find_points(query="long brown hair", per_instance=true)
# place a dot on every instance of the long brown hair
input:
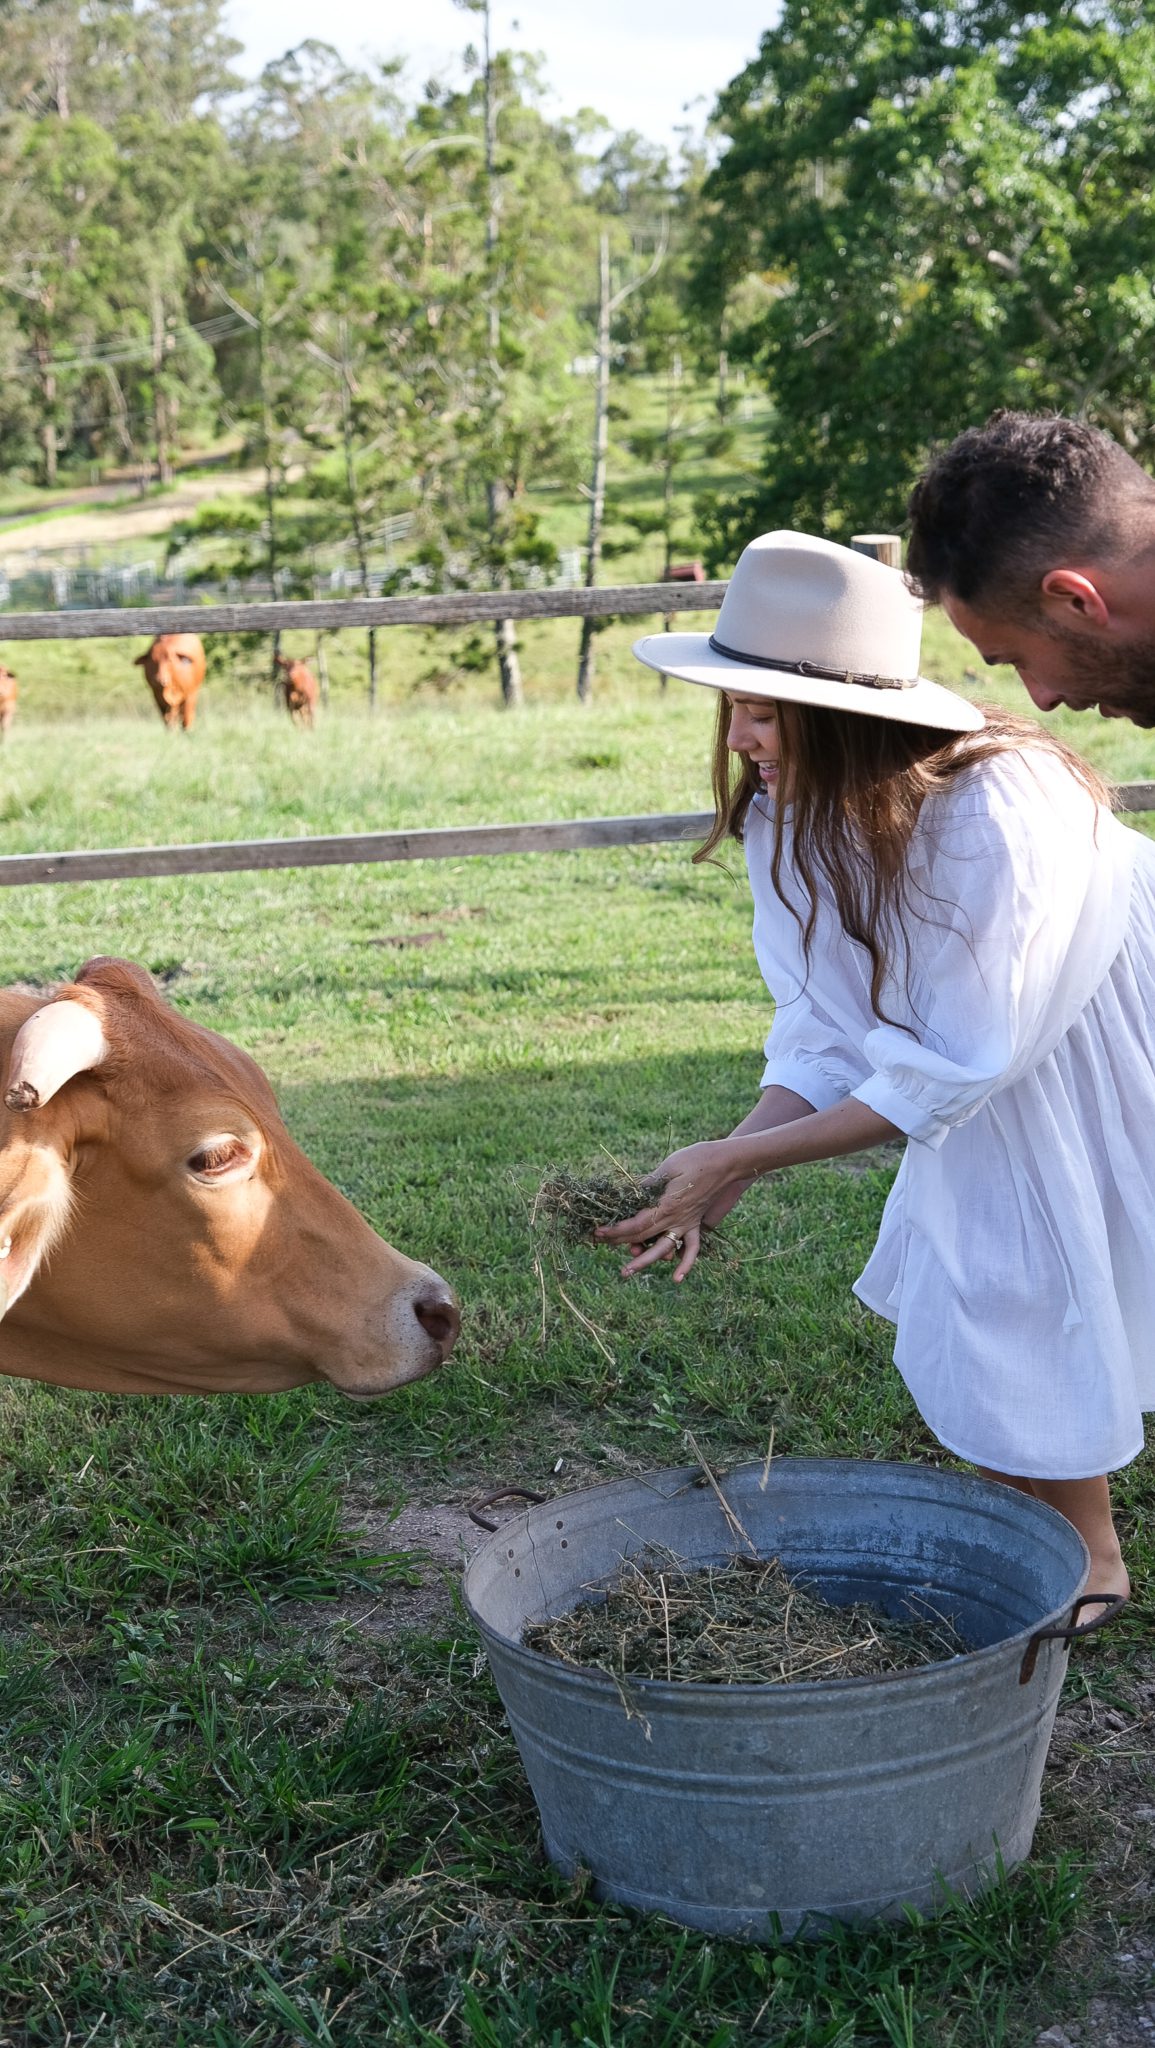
(857, 785)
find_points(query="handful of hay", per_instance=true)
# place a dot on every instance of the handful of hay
(568, 1207)
(742, 1623)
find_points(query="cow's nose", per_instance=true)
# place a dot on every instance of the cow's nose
(440, 1318)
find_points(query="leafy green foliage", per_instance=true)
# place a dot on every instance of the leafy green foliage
(925, 212)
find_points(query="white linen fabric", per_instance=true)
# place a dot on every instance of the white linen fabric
(1016, 1252)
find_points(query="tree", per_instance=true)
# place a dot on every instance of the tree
(925, 212)
(107, 154)
(609, 302)
(58, 264)
(497, 323)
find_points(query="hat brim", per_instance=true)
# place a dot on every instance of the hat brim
(690, 657)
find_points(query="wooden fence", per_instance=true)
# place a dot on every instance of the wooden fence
(346, 849)
(458, 608)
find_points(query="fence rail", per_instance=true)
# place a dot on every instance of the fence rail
(456, 608)
(463, 842)
(348, 849)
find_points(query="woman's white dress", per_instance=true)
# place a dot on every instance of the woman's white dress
(1017, 1248)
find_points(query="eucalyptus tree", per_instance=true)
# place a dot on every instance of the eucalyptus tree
(107, 144)
(925, 211)
(58, 265)
(159, 370)
(497, 324)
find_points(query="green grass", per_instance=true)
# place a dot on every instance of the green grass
(229, 1816)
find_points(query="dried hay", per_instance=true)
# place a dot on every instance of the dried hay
(568, 1207)
(742, 1623)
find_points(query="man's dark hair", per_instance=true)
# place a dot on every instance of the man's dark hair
(1025, 493)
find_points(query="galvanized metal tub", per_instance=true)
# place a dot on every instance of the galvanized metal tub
(722, 1806)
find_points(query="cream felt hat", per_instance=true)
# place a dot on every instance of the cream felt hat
(808, 622)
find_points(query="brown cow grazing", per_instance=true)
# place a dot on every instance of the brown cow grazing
(8, 695)
(174, 668)
(299, 687)
(161, 1233)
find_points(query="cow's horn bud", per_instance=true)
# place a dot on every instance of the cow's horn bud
(62, 1039)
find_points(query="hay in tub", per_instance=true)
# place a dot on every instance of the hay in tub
(745, 1622)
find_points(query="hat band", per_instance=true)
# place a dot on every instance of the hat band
(811, 668)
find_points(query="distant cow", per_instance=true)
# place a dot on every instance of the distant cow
(8, 695)
(174, 668)
(298, 686)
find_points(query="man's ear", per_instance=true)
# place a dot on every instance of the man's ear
(1073, 593)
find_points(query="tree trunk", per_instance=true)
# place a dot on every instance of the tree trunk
(270, 482)
(508, 663)
(160, 419)
(598, 481)
(496, 495)
(48, 399)
(354, 506)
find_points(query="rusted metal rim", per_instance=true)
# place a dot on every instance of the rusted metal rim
(1074, 1631)
(491, 1500)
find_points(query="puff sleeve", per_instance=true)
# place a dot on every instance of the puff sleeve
(1021, 893)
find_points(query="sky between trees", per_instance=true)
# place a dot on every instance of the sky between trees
(640, 63)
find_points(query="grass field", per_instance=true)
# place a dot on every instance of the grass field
(255, 1787)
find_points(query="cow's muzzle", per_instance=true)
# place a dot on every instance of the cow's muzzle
(418, 1330)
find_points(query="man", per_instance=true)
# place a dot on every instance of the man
(1037, 536)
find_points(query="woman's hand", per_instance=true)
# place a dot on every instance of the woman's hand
(699, 1185)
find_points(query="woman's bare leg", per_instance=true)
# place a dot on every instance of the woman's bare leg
(1006, 1479)
(1086, 1503)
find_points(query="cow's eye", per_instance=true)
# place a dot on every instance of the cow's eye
(219, 1157)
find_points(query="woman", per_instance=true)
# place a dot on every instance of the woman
(960, 941)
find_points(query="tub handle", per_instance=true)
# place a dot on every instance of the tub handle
(503, 1493)
(1110, 1604)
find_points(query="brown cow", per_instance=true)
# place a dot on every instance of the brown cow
(299, 687)
(8, 695)
(193, 1248)
(174, 668)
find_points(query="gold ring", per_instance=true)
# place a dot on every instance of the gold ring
(677, 1242)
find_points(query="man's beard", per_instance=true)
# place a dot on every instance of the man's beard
(1122, 679)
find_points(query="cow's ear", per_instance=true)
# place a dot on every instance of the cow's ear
(35, 1211)
(140, 659)
(62, 1039)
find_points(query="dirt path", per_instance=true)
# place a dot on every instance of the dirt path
(125, 522)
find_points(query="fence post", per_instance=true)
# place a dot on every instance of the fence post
(884, 547)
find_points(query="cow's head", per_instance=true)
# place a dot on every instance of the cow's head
(159, 1229)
